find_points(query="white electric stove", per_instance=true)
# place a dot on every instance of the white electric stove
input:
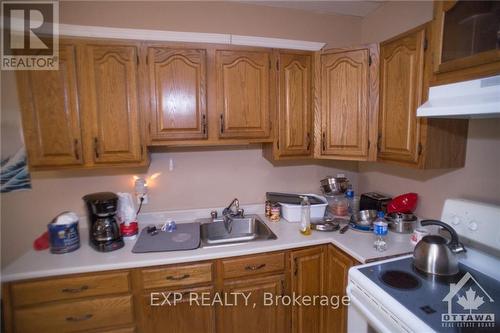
(391, 296)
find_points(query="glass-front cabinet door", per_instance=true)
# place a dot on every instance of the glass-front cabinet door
(467, 34)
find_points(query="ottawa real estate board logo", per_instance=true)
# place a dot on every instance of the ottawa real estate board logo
(467, 302)
(30, 35)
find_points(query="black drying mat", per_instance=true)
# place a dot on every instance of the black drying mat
(185, 237)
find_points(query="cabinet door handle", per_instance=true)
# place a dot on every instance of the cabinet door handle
(76, 150)
(96, 147)
(79, 318)
(177, 278)
(379, 142)
(221, 123)
(254, 267)
(308, 141)
(75, 290)
(204, 124)
(323, 141)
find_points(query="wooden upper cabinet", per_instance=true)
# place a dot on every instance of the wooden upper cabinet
(51, 113)
(243, 96)
(177, 91)
(307, 271)
(401, 80)
(345, 104)
(113, 103)
(295, 98)
(465, 40)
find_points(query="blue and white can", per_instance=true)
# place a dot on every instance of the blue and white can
(64, 236)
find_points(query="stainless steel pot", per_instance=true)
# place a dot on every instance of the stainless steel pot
(436, 255)
(401, 223)
(334, 185)
(364, 217)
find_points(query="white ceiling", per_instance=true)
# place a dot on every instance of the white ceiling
(353, 7)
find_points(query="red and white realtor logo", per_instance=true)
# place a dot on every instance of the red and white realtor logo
(469, 294)
(30, 35)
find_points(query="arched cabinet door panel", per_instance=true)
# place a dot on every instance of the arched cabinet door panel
(243, 93)
(345, 103)
(401, 79)
(113, 103)
(177, 92)
(50, 112)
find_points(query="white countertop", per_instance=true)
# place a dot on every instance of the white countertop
(35, 264)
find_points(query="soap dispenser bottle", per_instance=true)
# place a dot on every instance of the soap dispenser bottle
(305, 217)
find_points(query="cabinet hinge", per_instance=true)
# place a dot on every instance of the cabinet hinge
(420, 148)
(426, 44)
(369, 60)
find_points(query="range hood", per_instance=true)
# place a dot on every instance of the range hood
(469, 99)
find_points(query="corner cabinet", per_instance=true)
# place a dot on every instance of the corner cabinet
(347, 104)
(401, 82)
(404, 139)
(307, 278)
(87, 113)
(50, 109)
(112, 102)
(294, 119)
(243, 93)
(465, 40)
(177, 92)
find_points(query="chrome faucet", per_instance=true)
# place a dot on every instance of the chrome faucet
(229, 213)
(236, 212)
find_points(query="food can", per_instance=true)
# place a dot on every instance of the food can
(268, 208)
(275, 213)
(63, 238)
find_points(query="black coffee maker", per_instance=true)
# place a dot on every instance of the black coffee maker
(104, 229)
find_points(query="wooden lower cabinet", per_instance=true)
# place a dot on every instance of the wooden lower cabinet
(307, 278)
(337, 267)
(183, 316)
(254, 315)
(122, 301)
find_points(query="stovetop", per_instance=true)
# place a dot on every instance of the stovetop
(472, 306)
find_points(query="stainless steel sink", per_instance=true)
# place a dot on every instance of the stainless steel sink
(243, 229)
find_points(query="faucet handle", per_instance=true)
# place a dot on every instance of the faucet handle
(241, 212)
(213, 214)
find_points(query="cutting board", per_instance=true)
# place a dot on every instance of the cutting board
(185, 237)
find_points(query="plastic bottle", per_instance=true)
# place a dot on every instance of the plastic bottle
(380, 230)
(305, 217)
(349, 194)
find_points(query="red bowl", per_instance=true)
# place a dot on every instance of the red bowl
(405, 203)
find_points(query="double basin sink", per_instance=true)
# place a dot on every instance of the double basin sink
(214, 232)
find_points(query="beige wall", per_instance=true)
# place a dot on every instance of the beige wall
(394, 17)
(478, 180)
(216, 17)
(200, 178)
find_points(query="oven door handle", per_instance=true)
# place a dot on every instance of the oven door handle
(365, 312)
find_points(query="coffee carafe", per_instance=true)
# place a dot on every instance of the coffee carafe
(103, 227)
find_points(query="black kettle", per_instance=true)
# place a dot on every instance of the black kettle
(436, 255)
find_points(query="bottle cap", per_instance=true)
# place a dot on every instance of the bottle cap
(380, 214)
